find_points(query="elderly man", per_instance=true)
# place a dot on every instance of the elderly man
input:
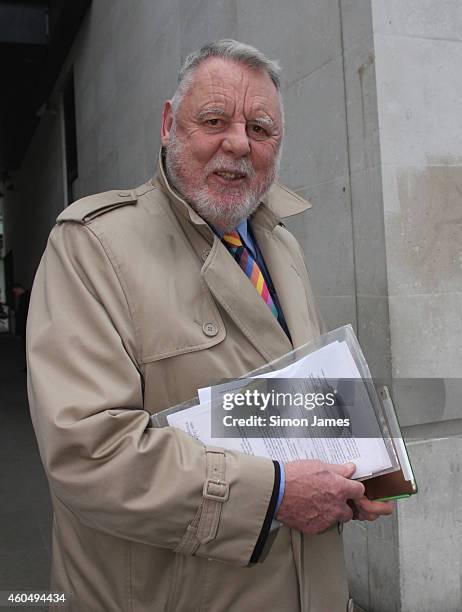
(141, 298)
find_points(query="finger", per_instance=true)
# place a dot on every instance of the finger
(346, 470)
(366, 516)
(375, 507)
(354, 489)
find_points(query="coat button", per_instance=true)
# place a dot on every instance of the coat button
(205, 253)
(210, 329)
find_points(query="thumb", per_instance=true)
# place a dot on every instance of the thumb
(346, 469)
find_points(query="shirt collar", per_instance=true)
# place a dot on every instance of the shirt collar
(242, 228)
(244, 233)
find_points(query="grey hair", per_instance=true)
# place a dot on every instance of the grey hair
(226, 48)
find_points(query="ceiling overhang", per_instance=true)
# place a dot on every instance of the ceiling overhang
(35, 38)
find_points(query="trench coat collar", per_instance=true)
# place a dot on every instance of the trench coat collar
(277, 204)
(232, 290)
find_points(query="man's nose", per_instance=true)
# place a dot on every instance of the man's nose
(236, 141)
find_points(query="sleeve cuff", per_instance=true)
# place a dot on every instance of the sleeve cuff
(281, 489)
(270, 513)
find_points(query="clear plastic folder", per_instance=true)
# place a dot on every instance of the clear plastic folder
(331, 365)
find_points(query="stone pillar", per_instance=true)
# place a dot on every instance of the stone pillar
(403, 90)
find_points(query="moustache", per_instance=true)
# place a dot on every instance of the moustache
(224, 164)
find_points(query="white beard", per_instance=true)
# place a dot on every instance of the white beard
(224, 215)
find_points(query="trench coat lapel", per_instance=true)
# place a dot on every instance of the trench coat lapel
(287, 283)
(236, 294)
(281, 202)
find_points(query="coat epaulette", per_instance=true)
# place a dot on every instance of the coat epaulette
(92, 206)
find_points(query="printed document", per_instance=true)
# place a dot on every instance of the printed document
(333, 361)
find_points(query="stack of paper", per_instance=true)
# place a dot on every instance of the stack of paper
(333, 361)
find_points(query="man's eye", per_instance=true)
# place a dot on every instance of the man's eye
(257, 131)
(213, 122)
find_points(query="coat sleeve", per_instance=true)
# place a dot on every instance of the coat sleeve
(103, 461)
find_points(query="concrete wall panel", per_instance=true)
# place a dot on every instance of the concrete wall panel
(356, 16)
(369, 235)
(384, 575)
(361, 96)
(204, 21)
(419, 100)
(337, 310)
(425, 335)
(357, 562)
(120, 90)
(374, 334)
(424, 206)
(430, 529)
(418, 18)
(316, 139)
(326, 236)
(372, 557)
(304, 35)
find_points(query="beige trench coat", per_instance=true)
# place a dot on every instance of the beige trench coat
(136, 305)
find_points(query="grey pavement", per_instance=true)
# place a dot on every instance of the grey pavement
(25, 509)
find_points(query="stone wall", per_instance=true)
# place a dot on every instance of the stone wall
(412, 562)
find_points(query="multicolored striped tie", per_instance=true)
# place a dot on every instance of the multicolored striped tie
(249, 265)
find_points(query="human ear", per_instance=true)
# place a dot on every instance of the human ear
(167, 122)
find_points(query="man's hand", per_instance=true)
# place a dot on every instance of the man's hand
(316, 495)
(366, 510)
